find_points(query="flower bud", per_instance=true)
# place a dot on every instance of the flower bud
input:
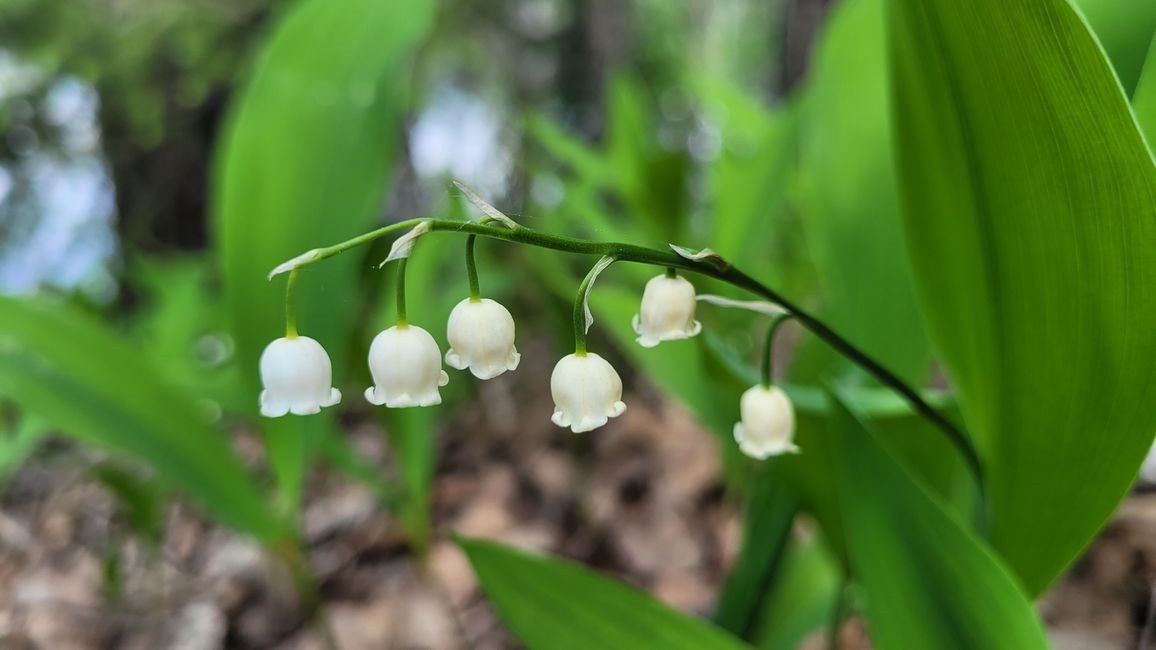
(587, 392)
(406, 366)
(481, 336)
(768, 423)
(297, 377)
(667, 311)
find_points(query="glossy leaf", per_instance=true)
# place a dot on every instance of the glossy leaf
(1030, 211)
(927, 581)
(554, 604)
(305, 162)
(75, 375)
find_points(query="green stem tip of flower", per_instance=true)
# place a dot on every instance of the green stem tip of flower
(401, 321)
(769, 350)
(472, 269)
(290, 311)
(671, 272)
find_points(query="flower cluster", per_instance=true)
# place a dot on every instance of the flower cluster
(406, 365)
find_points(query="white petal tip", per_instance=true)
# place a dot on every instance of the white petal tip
(372, 397)
(455, 361)
(443, 379)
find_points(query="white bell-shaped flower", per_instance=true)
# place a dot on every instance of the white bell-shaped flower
(297, 376)
(667, 311)
(768, 423)
(587, 392)
(407, 368)
(481, 336)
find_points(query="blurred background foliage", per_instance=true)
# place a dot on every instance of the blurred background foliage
(158, 158)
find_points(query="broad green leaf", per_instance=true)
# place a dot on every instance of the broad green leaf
(927, 581)
(304, 163)
(75, 375)
(1124, 28)
(553, 604)
(768, 517)
(802, 599)
(1144, 101)
(1030, 212)
(849, 200)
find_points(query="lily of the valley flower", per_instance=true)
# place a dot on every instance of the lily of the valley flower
(481, 336)
(587, 392)
(406, 366)
(297, 376)
(768, 423)
(667, 311)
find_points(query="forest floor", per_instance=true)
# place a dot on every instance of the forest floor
(640, 499)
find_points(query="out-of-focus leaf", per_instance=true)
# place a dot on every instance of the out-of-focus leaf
(802, 600)
(141, 502)
(1124, 28)
(552, 604)
(768, 517)
(18, 443)
(181, 321)
(849, 201)
(1030, 211)
(749, 180)
(305, 162)
(77, 376)
(927, 581)
(1144, 101)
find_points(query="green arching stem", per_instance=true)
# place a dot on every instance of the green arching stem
(472, 269)
(401, 322)
(714, 268)
(580, 305)
(290, 311)
(769, 350)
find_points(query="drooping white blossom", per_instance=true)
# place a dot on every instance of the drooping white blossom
(406, 366)
(768, 423)
(587, 392)
(667, 311)
(481, 336)
(297, 378)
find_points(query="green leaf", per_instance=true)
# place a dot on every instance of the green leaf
(1124, 28)
(927, 581)
(18, 443)
(849, 199)
(1144, 101)
(552, 604)
(802, 599)
(77, 376)
(769, 515)
(1030, 212)
(304, 162)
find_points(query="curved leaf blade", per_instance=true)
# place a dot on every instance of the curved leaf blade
(558, 605)
(928, 582)
(73, 373)
(1031, 211)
